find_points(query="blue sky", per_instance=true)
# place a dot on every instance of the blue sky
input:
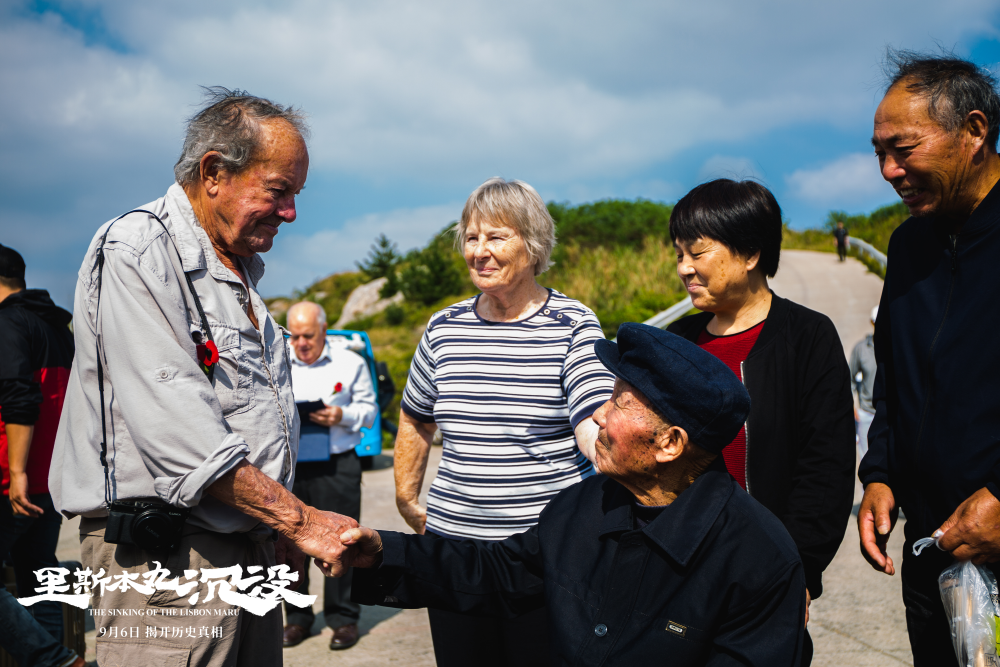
(412, 105)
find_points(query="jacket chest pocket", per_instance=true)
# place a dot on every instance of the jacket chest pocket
(233, 380)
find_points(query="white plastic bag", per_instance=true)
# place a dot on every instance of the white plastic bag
(969, 594)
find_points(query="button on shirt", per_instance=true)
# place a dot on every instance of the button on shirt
(171, 433)
(319, 380)
(713, 579)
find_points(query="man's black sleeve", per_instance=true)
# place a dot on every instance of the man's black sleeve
(476, 577)
(875, 465)
(20, 395)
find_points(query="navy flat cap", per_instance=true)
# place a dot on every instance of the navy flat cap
(688, 386)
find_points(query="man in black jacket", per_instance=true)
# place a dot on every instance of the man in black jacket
(662, 557)
(36, 352)
(934, 445)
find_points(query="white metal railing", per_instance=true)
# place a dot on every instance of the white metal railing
(869, 249)
(663, 318)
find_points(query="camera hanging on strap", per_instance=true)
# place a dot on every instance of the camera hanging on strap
(150, 524)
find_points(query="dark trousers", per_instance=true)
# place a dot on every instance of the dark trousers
(461, 640)
(841, 252)
(926, 622)
(333, 486)
(32, 635)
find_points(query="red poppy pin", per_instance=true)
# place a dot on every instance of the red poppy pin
(339, 387)
(208, 356)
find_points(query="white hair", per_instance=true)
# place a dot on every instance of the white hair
(517, 205)
(231, 126)
(301, 306)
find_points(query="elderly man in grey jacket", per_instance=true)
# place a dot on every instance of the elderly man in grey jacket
(179, 435)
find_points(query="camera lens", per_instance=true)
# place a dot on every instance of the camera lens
(152, 530)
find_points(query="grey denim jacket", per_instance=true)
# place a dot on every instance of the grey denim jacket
(170, 432)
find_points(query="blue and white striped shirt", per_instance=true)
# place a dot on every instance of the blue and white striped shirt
(506, 396)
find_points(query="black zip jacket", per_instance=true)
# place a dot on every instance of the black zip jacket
(34, 336)
(713, 580)
(800, 433)
(935, 439)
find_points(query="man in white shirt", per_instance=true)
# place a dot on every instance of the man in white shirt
(340, 379)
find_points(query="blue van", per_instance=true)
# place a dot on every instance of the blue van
(357, 341)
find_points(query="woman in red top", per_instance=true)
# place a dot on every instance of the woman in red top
(795, 454)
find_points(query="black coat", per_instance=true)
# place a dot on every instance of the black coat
(713, 580)
(34, 336)
(935, 439)
(800, 433)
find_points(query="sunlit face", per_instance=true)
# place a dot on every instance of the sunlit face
(715, 277)
(927, 165)
(308, 337)
(496, 255)
(248, 207)
(625, 449)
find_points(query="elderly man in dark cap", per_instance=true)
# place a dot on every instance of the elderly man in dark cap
(662, 557)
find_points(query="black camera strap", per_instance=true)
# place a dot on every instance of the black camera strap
(206, 330)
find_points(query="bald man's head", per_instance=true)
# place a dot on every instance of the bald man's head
(307, 324)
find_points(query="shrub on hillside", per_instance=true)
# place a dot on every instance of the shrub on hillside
(431, 274)
(610, 223)
(381, 262)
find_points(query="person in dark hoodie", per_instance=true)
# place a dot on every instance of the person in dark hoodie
(37, 354)
(795, 454)
(934, 444)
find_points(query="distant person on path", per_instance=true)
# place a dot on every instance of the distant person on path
(934, 445)
(36, 353)
(840, 236)
(661, 559)
(511, 379)
(796, 452)
(341, 380)
(862, 365)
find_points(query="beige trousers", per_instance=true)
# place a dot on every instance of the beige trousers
(164, 627)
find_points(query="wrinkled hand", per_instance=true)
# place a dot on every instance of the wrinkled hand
(876, 519)
(286, 553)
(413, 514)
(972, 532)
(364, 549)
(329, 416)
(319, 536)
(19, 500)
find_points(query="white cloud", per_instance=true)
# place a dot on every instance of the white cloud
(848, 181)
(297, 260)
(583, 98)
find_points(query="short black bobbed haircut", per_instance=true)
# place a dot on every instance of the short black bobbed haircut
(742, 215)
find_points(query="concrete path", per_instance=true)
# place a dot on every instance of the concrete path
(858, 621)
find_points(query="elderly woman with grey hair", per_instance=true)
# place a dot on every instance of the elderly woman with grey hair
(511, 379)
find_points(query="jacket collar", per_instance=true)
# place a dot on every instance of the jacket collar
(691, 327)
(194, 246)
(682, 526)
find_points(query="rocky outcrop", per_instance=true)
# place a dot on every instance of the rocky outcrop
(365, 302)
